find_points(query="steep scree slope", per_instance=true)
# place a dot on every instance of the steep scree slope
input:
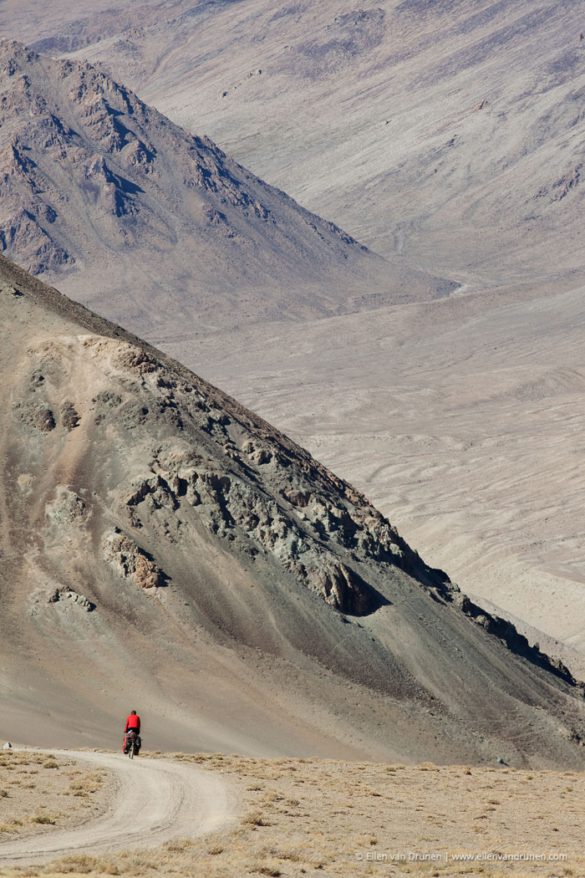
(161, 543)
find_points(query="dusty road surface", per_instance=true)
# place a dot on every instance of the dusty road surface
(155, 800)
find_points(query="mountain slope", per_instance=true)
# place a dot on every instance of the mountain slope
(456, 139)
(159, 223)
(163, 545)
(450, 132)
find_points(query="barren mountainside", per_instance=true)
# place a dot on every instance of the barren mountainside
(144, 219)
(449, 131)
(450, 134)
(161, 543)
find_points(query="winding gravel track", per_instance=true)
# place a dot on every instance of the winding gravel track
(154, 800)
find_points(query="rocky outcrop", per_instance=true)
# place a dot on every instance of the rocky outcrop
(132, 563)
(24, 233)
(234, 508)
(36, 415)
(69, 415)
(67, 595)
(67, 507)
(259, 497)
(341, 587)
(511, 637)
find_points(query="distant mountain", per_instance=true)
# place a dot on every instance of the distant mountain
(161, 545)
(451, 132)
(163, 224)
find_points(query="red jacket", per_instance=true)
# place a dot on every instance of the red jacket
(133, 722)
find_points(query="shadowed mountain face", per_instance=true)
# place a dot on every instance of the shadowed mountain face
(161, 543)
(94, 181)
(449, 131)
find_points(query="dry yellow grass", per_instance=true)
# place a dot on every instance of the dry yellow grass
(328, 818)
(40, 791)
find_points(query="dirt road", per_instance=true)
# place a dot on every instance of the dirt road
(154, 800)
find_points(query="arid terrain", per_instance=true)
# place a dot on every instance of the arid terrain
(154, 225)
(327, 818)
(451, 132)
(105, 803)
(447, 138)
(170, 547)
(363, 223)
(460, 419)
(39, 791)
